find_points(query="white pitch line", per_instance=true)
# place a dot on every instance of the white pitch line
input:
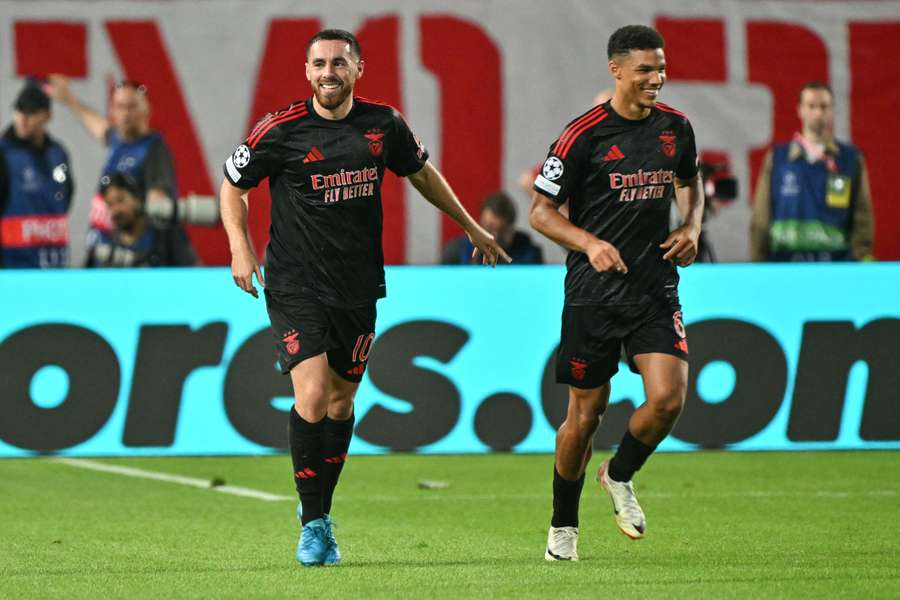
(91, 465)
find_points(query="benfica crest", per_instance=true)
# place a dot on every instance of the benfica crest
(376, 146)
(579, 368)
(668, 144)
(291, 341)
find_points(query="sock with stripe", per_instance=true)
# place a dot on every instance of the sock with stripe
(306, 442)
(334, 452)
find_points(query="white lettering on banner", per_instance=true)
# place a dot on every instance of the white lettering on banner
(48, 230)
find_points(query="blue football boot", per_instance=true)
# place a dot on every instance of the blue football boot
(313, 547)
(333, 554)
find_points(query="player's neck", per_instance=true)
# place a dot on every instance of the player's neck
(628, 109)
(333, 114)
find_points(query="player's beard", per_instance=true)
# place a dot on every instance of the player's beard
(333, 99)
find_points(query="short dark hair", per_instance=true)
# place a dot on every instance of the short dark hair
(633, 37)
(336, 34)
(814, 85)
(501, 205)
(122, 181)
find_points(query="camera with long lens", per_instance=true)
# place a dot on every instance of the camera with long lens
(192, 209)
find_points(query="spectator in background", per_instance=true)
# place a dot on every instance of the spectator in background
(812, 198)
(498, 216)
(35, 187)
(134, 149)
(134, 240)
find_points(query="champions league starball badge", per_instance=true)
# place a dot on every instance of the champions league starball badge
(241, 156)
(552, 169)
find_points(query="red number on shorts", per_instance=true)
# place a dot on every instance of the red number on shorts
(363, 347)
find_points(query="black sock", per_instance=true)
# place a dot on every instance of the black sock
(306, 440)
(629, 458)
(334, 452)
(566, 495)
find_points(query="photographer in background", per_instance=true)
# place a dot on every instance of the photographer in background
(139, 152)
(35, 187)
(134, 240)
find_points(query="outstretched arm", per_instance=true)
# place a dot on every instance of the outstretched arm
(546, 219)
(434, 188)
(682, 244)
(95, 123)
(234, 208)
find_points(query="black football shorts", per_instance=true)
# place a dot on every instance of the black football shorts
(593, 337)
(304, 327)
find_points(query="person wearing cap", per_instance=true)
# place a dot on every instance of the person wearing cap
(134, 240)
(36, 187)
(133, 147)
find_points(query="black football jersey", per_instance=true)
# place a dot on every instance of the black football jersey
(619, 178)
(325, 179)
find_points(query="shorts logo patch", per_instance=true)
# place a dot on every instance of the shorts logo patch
(241, 156)
(357, 370)
(579, 368)
(291, 341)
(668, 144)
(680, 332)
(376, 146)
(552, 169)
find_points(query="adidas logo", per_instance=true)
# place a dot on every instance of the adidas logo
(314, 155)
(613, 154)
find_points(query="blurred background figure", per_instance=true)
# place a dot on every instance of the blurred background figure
(498, 216)
(812, 198)
(721, 189)
(134, 239)
(36, 187)
(138, 151)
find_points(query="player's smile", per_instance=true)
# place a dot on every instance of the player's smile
(332, 68)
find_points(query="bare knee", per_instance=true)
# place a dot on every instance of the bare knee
(340, 404)
(311, 401)
(667, 400)
(340, 398)
(586, 407)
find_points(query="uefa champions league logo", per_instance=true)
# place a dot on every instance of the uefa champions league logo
(553, 168)
(241, 156)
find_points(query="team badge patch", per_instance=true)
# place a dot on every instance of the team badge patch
(241, 156)
(291, 341)
(578, 368)
(552, 169)
(668, 145)
(677, 322)
(376, 146)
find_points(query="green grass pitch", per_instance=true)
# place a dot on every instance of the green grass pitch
(720, 525)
